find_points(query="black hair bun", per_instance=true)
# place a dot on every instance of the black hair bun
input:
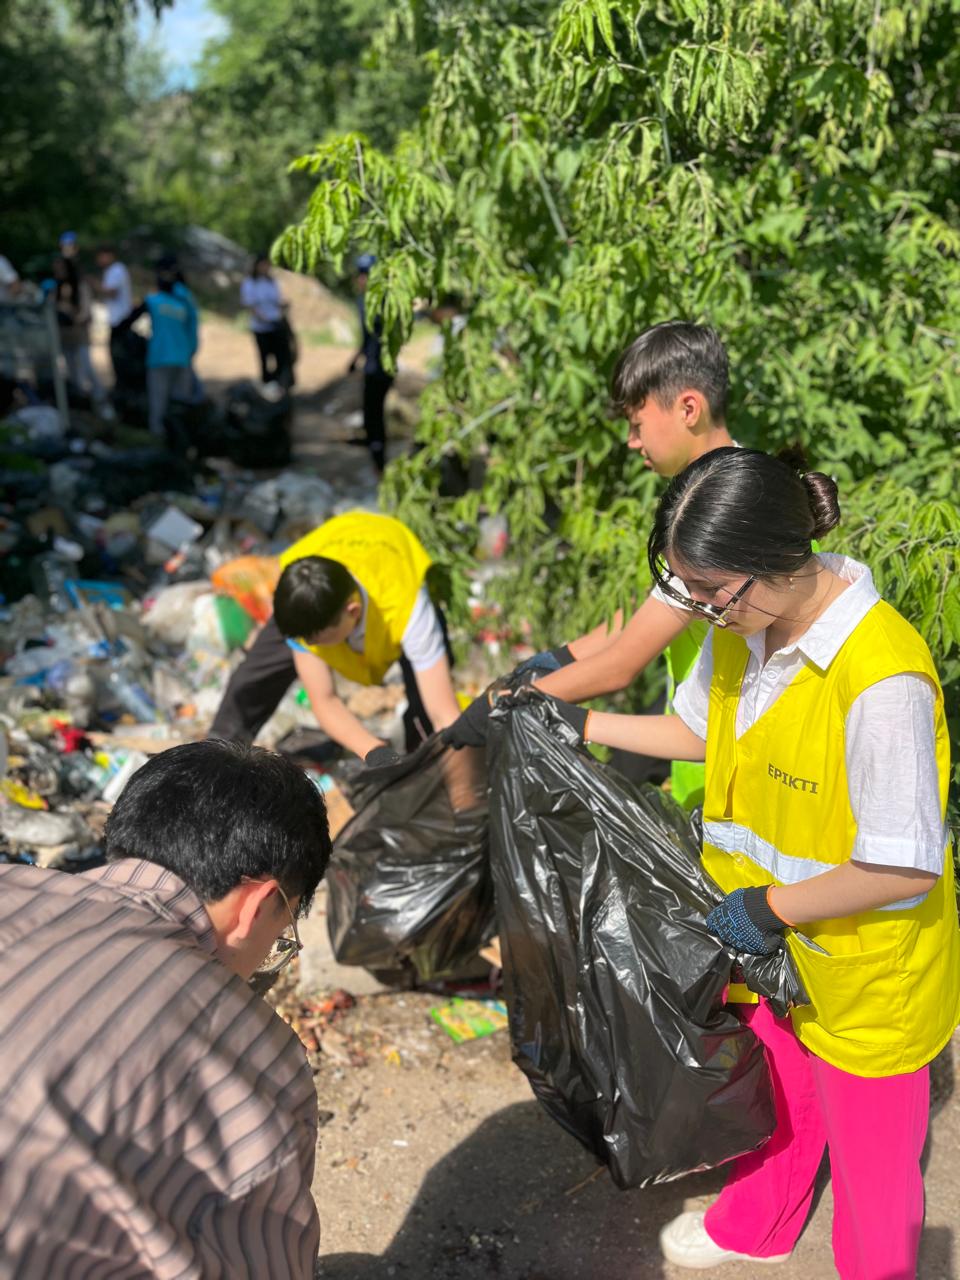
(824, 502)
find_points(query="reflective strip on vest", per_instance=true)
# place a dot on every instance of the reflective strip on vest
(884, 985)
(736, 839)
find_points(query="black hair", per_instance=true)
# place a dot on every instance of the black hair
(742, 511)
(215, 813)
(669, 358)
(106, 247)
(260, 257)
(68, 290)
(311, 595)
(168, 271)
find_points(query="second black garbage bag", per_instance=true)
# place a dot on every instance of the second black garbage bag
(614, 986)
(409, 879)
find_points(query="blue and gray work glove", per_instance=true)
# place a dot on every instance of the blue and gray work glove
(745, 921)
(380, 757)
(548, 660)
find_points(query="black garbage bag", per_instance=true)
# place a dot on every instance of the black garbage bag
(409, 878)
(613, 984)
(256, 427)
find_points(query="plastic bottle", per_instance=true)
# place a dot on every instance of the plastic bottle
(50, 573)
(131, 696)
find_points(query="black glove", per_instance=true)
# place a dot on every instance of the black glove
(548, 660)
(745, 921)
(576, 717)
(380, 757)
(470, 727)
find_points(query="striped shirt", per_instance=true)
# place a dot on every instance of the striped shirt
(157, 1119)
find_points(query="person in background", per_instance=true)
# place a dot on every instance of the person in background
(117, 294)
(74, 303)
(69, 245)
(169, 1128)
(351, 598)
(671, 385)
(376, 381)
(10, 283)
(260, 295)
(173, 342)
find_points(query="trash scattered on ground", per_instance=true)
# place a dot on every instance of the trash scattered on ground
(130, 582)
(470, 1019)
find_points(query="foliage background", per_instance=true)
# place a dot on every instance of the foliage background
(96, 140)
(784, 169)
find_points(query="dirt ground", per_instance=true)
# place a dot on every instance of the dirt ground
(434, 1161)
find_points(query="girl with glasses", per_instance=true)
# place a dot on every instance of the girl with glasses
(819, 714)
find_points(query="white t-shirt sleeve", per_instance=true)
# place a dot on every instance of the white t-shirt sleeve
(892, 775)
(422, 643)
(691, 702)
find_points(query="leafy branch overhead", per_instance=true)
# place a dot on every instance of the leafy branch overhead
(785, 170)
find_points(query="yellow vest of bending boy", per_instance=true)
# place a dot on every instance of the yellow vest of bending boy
(885, 988)
(390, 563)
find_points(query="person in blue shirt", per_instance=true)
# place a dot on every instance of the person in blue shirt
(172, 345)
(376, 381)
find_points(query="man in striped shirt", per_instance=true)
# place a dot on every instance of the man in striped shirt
(156, 1117)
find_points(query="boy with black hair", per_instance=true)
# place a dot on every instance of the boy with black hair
(169, 1126)
(671, 385)
(351, 598)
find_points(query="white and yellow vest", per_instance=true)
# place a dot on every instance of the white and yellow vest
(885, 997)
(390, 563)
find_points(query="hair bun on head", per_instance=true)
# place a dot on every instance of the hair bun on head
(824, 502)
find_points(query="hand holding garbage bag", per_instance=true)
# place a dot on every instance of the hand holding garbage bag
(470, 727)
(614, 984)
(547, 661)
(409, 878)
(746, 921)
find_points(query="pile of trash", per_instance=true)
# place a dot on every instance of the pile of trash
(129, 583)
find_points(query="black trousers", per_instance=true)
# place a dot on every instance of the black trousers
(375, 388)
(276, 361)
(267, 672)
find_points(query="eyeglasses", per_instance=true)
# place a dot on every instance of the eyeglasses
(281, 953)
(716, 614)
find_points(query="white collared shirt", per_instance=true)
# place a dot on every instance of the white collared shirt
(889, 731)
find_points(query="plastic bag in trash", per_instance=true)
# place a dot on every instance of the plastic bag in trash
(614, 986)
(409, 878)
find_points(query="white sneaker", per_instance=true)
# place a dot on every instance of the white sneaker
(685, 1242)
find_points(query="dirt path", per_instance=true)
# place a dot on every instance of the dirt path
(436, 1163)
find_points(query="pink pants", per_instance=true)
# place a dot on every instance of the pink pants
(875, 1130)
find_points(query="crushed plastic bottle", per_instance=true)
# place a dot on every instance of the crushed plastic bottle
(131, 695)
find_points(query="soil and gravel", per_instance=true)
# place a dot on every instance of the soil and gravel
(436, 1163)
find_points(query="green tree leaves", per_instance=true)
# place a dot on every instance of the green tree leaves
(583, 168)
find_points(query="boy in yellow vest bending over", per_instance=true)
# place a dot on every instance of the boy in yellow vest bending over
(671, 385)
(351, 598)
(820, 715)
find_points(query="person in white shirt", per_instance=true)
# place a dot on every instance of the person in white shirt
(820, 716)
(117, 293)
(260, 295)
(10, 283)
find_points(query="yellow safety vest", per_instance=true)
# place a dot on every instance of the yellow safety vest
(885, 989)
(390, 563)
